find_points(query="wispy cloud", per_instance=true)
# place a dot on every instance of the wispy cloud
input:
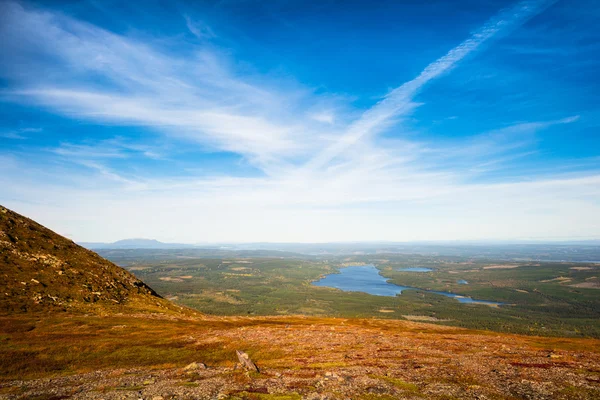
(326, 117)
(199, 29)
(400, 101)
(12, 135)
(18, 134)
(195, 97)
(107, 149)
(321, 170)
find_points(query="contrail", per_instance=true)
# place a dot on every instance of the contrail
(399, 100)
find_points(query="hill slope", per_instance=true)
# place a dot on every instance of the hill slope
(42, 270)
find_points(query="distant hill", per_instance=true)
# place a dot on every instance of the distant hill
(42, 270)
(135, 244)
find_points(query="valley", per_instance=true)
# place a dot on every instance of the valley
(539, 298)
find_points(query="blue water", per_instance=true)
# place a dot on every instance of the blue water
(462, 282)
(415, 269)
(366, 278)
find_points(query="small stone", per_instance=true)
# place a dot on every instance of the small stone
(194, 366)
(246, 361)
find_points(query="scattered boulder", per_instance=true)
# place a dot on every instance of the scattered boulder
(194, 366)
(246, 361)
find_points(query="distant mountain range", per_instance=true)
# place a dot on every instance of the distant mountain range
(573, 251)
(135, 244)
(311, 248)
(344, 247)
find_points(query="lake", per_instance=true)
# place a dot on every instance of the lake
(366, 278)
(361, 278)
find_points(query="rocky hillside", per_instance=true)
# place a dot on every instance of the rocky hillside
(43, 271)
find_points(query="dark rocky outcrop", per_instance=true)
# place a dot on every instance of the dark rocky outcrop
(41, 270)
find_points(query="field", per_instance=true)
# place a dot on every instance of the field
(132, 356)
(541, 298)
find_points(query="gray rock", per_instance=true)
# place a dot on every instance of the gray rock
(246, 361)
(194, 366)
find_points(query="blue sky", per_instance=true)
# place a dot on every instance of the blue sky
(242, 121)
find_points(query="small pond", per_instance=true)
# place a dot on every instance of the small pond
(462, 282)
(366, 278)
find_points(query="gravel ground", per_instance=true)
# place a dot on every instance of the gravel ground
(348, 362)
